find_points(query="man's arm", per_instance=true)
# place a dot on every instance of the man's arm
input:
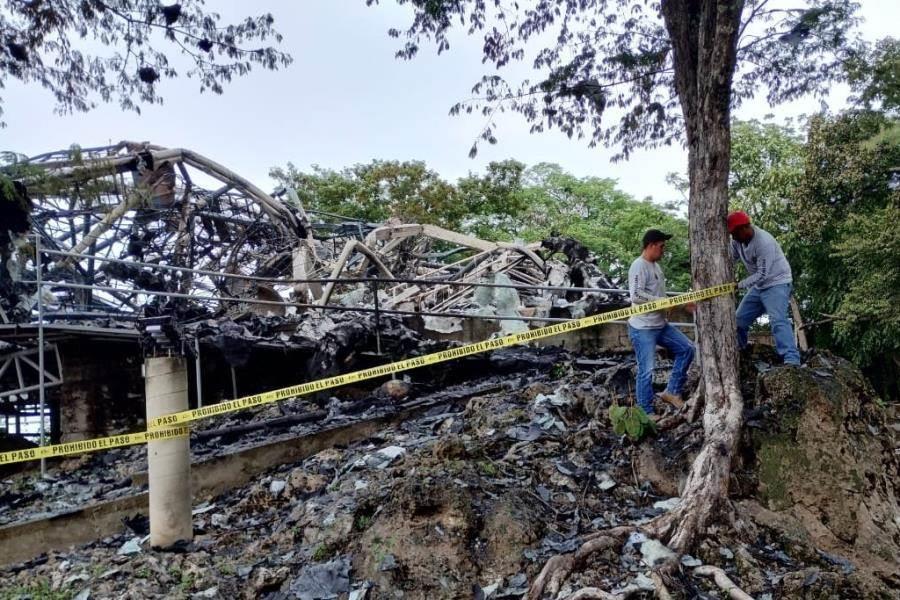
(640, 287)
(762, 270)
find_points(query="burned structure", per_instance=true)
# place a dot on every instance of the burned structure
(119, 252)
(460, 481)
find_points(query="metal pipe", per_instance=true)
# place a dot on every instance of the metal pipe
(40, 303)
(197, 372)
(378, 324)
(75, 316)
(340, 280)
(377, 319)
(386, 311)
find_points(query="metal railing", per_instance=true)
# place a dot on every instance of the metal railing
(373, 283)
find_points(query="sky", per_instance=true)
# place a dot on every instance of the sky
(346, 100)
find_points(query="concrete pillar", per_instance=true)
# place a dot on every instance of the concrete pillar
(168, 461)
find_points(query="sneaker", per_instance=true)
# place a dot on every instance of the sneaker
(672, 399)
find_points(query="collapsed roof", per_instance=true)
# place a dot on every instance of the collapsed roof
(133, 229)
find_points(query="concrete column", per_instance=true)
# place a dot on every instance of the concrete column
(168, 461)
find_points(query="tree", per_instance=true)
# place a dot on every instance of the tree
(766, 170)
(85, 50)
(636, 63)
(875, 76)
(844, 210)
(377, 191)
(831, 198)
(494, 202)
(608, 221)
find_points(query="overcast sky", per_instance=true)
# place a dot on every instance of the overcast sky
(345, 99)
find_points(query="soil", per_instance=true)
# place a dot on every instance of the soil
(487, 488)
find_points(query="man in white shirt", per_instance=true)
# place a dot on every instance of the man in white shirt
(647, 283)
(768, 284)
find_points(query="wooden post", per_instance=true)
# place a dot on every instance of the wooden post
(799, 331)
(168, 461)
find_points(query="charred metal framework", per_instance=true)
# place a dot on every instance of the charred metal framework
(20, 378)
(134, 233)
(153, 205)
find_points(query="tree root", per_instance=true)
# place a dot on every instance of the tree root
(723, 581)
(592, 593)
(705, 491)
(559, 567)
(511, 453)
(694, 405)
(662, 592)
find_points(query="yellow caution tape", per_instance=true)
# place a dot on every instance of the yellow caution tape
(162, 428)
(430, 359)
(85, 446)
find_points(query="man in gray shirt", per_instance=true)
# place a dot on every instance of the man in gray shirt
(646, 283)
(768, 284)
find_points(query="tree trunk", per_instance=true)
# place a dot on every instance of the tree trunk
(704, 42)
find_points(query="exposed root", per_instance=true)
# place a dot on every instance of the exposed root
(670, 421)
(722, 580)
(551, 576)
(592, 593)
(559, 567)
(659, 527)
(511, 453)
(662, 592)
(694, 405)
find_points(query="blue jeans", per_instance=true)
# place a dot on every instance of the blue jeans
(772, 301)
(645, 342)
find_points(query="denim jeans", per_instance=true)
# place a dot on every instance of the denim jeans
(774, 302)
(645, 342)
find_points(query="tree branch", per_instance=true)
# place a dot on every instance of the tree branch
(172, 30)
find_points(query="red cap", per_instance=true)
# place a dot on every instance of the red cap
(736, 219)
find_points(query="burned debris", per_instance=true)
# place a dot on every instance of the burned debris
(450, 501)
(174, 250)
(459, 479)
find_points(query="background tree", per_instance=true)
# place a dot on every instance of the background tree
(616, 72)
(83, 51)
(766, 169)
(607, 220)
(377, 191)
(844, 210)
(875, 77)
(494, 202)
(824, 197)
(507, 202)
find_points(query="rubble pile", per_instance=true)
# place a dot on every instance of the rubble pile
(470, 497)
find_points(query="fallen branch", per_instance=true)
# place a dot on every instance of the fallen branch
(511, 453)
(723, 581)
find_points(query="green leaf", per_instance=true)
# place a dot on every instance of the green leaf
(633, 427)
